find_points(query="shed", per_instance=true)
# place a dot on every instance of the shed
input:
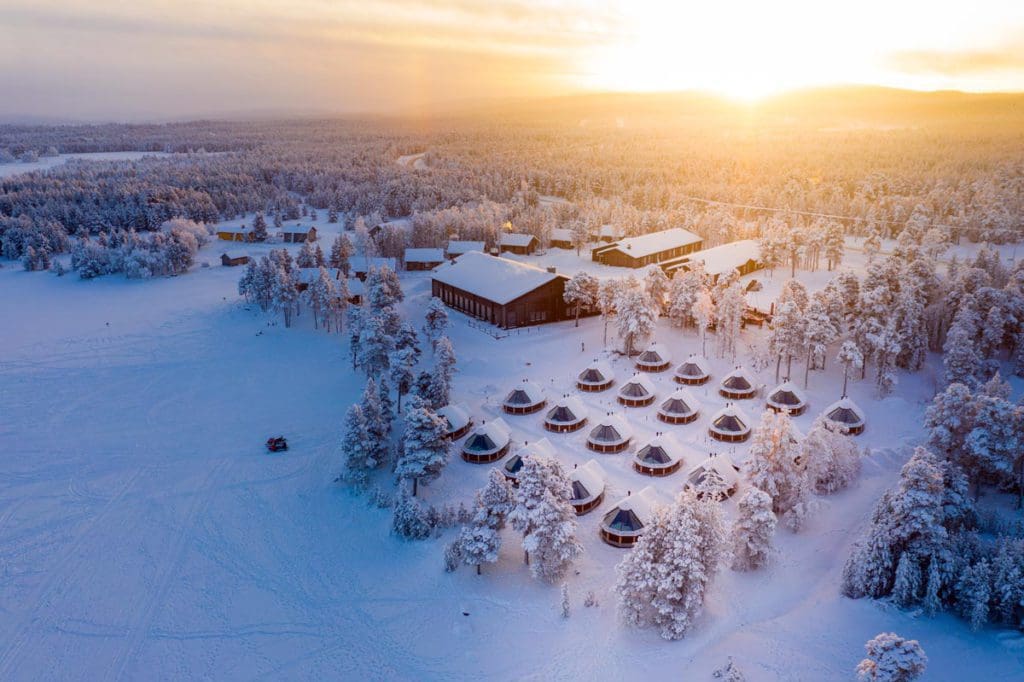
(423, 259)
(296, 234)
(656, 358)
(514, 242)
(637, 391)
(607, 233)
(679, 408)
(598, 376)
(786, 397)
(561, 238)
(693, 372)
(716, 475)
(730, 424)
(361, 265)
(515, 463)
(488, 442)
(237, 233)
(610, 434)
(846, 415)
(656, 247)
(457, 420)
(525, 398)
(501, 291)
(233, 258)
(567, 414)
(587, 487)
(625, 523)
(457, 247)
(660, 456)
(737, 385)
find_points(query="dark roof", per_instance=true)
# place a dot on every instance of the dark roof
(690, 369)
(579, 491)
(561, 413)
(634, 390)
(786, 397)
(728, 422)
(736, 382)
(518, 397)
(655, 454)
(605, 433)
(592, 375)
(480, 442)
(514, 465)
(650, 356)
(844, 415)
(676, 406)
(622, 520)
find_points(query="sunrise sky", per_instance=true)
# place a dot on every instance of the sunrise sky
(109, 59)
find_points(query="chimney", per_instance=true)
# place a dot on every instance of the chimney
(552, 269)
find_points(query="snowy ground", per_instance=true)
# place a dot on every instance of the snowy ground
(45, 163)
(144, 532)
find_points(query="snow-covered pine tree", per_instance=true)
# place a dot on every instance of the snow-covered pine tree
(375, 346)
(753, 531)
(786, 336)
(341, 252)
(835, 244)
(872, 245)
(409, 519)
(607, 297)
(259, 228)
(495, 500)
(703, 313)
(686, 285)
(284, 295)
(635, 318)
(307, 256)
(478, 544)
(973, 593)
(994, 447)
(358, 451)
(656, 283)
(849, 357)
(444, 369)
(580, 235)
(425, 445)
(729, 318)
(892, 659)
(819, 332)
(911, 328)
(772, 466)
(545, 516)
(402, 362)
(963, 359)
(581, 292)
(319, 296)
(435, 323)
(831, 459)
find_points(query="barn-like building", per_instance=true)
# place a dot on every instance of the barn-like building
(656, 247)
(501, 291)
(423, 259)
(521, 244)
(743, 257)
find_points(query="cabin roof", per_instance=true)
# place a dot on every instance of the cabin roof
(655, 242)
(424, 255)
(496, 279)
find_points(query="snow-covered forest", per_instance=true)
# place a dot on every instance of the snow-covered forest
(838, 496)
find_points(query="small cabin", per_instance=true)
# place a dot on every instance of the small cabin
(457, 247)
(488, 442)
(514, 465)
(730, 425)
(297, 234)
(637, 391)
(568, 414)
(526, 398)
(521, 244)
(457, 420)
(598, 376)
(625, 523)
(786, 397)
(232, 259)
(361, 265)
(587, 487)
(737, 385)
(716, 476)
(423, 259)
(846, 416)
(695, 371)
(681, 407)
(238, 233)
(610, 434)
(561, 238)
(660, 456)
(655, 358)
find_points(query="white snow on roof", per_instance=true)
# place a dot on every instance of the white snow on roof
(560, 234)
(364, 263)
(646, 244)
(457, 415)
(847, 404)
(515, 239)
(618, 423)
(592, 477)
(355, 287)
(790, 387)
(237, 229)
(742, 373)
(686, 396)
(497, 429)
(457, 247)
(534, 392)
(698, 360)
(297, 229)
(497, 279)
(642, 379)
(236, 254)
(310, 275)
(720, 464)
(424, 255)
(601, 366)
(732, 411)
(644, 504)
(541, 447)
(725, 258)
(660, 350)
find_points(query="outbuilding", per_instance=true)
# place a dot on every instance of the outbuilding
(742, 257)
(737, 385)
(656, 358)
(786, 397)
(681, 407)
(296, 234)
(520, 244)
(625, 523)
(567, 414)
(423, 259)
(525, 398)
(361, 265)
(846, 415)
(637, 391)
(236, 233)
(693, 372)
(488, 442)
(587, 487)
(716, 475)
(656, 247)
(501, 291)
(730, 425)
(598, 376)
(610, 434)
(457, 420)
(561, 238)
(233, 258)
(660, 456)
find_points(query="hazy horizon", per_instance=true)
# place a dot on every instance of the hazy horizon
(159, 60)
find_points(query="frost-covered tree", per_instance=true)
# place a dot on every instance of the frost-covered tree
(819, 331)
(259, 228)
(663, 581)
(435, 324)
(830, 458)
(607, 297)
(495, 501)
(872, 245)
(684, 289)
(544, 514)
(973, 593)
(995, 446)
(307, 256)
(753, 531)
(963, 359)
(402, 363)
(383, 288)
(341, 252)
(786, 336)
(892, 659)
(886, 347)
(581, 292)
(319, 296)
(425, 445)
(358, 451)
(849, 357)
(656, 283)
(378, 421)
(729, 318)
(284, 295)
(773, 465)
(703, 313)
(635, 318)
(835, 244)
(580, 235)
(375, 346)
(409, 520)
(909, 518)
(911, 331)
(478, 544)
(444, 369)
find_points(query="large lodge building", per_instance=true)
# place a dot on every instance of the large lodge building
(656, 247)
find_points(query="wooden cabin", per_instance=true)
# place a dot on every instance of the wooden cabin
(297, 234)
(233, 259)
(625, 523)
(587, 484)
(656, 247)
(458, 247)
(423, 259)
(238, 233)
(743, 257)
(520, 244)
(561, 238)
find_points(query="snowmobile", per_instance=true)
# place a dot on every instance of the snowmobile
(277, 444)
